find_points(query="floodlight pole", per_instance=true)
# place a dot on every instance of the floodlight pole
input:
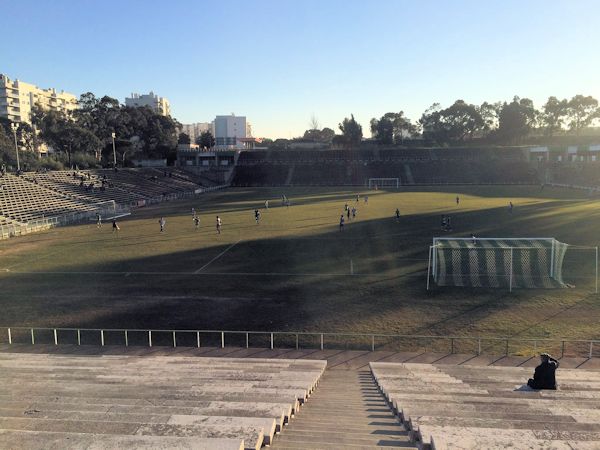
(113, 135)
(14, 127)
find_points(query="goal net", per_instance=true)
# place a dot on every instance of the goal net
(498, 262)
(383, 182)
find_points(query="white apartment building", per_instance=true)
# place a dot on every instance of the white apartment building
(194, 130)
(158, 104)
(17, 99)
(229, 130)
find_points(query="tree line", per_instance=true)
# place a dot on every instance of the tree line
(84, 137)
(500, 123)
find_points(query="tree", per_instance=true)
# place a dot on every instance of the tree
(490, 113)
(206, 140)
(516, 119)
(7, 148)
(351, 131)
(25, 134)
(458, 122)
(314, 123)
(582, 111)
(382, 130)
(392, 128)
(325, 135)
(184, 138)
(66, 136)
(554, 113)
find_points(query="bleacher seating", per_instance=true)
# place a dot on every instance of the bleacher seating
(23, 200)
(575, 174)
(78, 401)
(411, 166)
(37, 195)
(466, 407)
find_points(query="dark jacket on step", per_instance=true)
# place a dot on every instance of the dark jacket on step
(545, 375)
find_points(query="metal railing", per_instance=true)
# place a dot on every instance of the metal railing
(507, 346)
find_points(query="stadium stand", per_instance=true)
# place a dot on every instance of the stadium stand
(22, 200)
(466, 407)
(38, 195)
(574, 174)
(78, 401)
(411, 166)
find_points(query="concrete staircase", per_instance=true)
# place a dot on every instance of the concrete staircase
(347, 411)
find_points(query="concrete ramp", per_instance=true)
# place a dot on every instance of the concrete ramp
(81, 401)
(466, 407)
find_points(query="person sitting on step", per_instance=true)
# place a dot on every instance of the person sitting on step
(544, 376)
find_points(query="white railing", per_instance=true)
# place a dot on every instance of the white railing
(478, 345)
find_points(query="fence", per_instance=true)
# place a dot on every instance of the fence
(506, 346)
(19, 229)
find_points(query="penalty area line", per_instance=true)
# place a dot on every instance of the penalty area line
(217, 257)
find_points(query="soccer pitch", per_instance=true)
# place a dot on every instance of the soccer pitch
(296, 271)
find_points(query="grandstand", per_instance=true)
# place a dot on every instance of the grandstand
(78, 401)
(248, 398)
(411, 166)
(60, 197)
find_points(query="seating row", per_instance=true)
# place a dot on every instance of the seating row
(465, 407)
(33, 195)
(145, 401)
(357, 173)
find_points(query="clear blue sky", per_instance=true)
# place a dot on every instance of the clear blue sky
(280, 61)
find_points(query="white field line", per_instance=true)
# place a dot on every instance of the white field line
(255, 274)
(218, 256)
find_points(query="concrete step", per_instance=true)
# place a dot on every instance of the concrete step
(45, 440)
(463, 438)
(340, 441)
(252, 435)
(416, 421)
(106, 401)
(272, 396)
(268, 424)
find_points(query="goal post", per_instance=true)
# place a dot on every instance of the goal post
(497, 262)
(375, 183)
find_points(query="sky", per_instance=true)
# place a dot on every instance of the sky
(281, 62)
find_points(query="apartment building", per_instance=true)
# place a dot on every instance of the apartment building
(158, 104)
(17, 98)
(229, 130)
(194, 130)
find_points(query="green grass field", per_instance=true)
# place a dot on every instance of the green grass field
(292, 272)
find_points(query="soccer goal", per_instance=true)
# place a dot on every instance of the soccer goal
(375, 183)
(499, 262)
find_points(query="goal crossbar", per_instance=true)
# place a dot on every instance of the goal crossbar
(384, 182)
